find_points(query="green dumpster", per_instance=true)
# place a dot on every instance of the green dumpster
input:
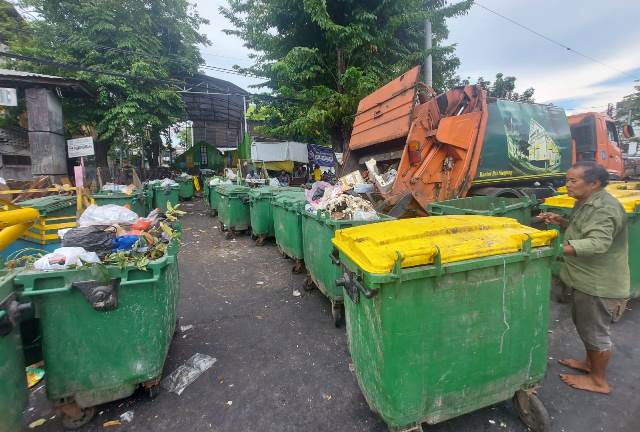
(446, 315)
(260, 210)
(516, 208)
(287, 226)
(320, 257)
(165, 194)
(135, 200)
(186, 189)
(147, 192)
(53, 205)
(105, 330)
(630, 200)
(233, 208)
(13, 384)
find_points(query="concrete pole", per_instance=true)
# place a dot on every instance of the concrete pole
(428, 64)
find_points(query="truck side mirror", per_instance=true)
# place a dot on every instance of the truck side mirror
(627, 131)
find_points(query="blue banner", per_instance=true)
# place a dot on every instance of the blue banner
(321, 155)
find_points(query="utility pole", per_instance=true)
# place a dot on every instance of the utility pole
(428, 64)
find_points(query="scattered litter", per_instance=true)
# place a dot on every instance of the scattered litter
(111, 423)
(259, 317)
(127, 417)
(186, 328)
(549, 331)
(326, 397)
(351, 367)
(100, 413)
(229, 403)
(259, 283)
(37, 423)
(34, 375)
(492, 422)
(187, 373)
(503, 424)
(109, 214)
(296, 293)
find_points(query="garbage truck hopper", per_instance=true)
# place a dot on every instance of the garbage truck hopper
(457, 143)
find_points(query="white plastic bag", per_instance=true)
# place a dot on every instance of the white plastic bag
(64, 257)
(362, 215)
(109, 214)
(187, 373)
(274, 182)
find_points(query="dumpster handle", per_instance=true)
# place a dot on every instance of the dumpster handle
(155, 278)
(334, 259)
(30, 292)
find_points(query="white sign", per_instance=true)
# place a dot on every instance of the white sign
(80, 147)
(8, 97)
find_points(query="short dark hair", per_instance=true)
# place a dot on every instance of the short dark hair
(593, 172)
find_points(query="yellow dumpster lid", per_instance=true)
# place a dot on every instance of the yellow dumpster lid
(373, 247)
(630, 199)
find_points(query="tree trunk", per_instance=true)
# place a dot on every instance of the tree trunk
(337, 139)
(154, 151)
(101, 148)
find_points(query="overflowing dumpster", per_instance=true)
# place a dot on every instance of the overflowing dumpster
(233, 209)
(105, 330)
(446, 315)
(630, 200)
(13, 385)
(287, 224)
(516, 208)
(321, 258)
(163, 194)
(135, 201)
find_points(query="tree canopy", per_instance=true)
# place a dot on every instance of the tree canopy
(320, 57)
(157, 42)
(504, 88)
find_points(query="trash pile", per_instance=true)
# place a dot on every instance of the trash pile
(218, 181)
(339, 205)
(166, 183)
(371, 181)
(118, 188)
(115, 235)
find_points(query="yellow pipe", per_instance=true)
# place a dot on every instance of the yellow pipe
(14, 223)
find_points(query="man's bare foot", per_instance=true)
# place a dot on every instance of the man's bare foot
(576, 364)
(585, 382)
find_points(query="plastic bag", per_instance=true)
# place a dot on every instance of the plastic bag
(362, 215)
(274, 182)
(109, 214)
(65, 257)
(187, 373)
(91, 238)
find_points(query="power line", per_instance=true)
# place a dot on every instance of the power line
(555, 42)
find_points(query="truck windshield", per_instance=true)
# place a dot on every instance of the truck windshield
(584, 134)
(613, 133)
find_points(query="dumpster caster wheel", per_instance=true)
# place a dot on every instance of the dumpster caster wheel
(214, 213)
(77, 417)
(308, 284)
(229, 234)
(531, 411)
(153, 391)
(221, 226)
(337, 314)
(298, 267)
(260, 240)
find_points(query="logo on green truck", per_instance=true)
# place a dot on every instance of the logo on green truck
(524, 141)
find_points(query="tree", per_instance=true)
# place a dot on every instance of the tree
(153, 40)
(320, 57)
(503, 87)
(629, 104)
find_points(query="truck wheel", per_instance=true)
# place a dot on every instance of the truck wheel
(531, 411)
(83, 416)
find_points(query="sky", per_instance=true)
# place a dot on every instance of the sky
(487, 44)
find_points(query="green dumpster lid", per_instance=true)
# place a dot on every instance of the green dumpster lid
(481, 205)
(50, 203)
(233, 190)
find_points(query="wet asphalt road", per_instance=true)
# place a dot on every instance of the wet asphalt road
(283, 366)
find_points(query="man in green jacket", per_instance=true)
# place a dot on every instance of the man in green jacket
(595, 269)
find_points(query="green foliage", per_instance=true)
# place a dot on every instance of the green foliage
(504, 88)
(155, 40)
(322, 56)
(631, 103)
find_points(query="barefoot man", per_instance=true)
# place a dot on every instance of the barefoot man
(595, 269)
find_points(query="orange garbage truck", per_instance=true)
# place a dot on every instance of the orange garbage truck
(455, 144)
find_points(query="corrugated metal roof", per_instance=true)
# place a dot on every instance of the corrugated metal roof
(24, 74)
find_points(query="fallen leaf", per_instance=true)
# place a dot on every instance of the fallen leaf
(259, 317)
(326, 397)
(112, 423)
